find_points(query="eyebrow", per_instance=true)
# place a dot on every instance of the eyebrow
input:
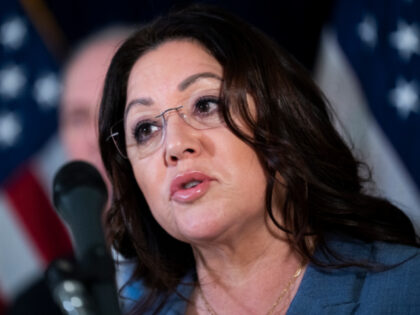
(147, 101)
(192, 78)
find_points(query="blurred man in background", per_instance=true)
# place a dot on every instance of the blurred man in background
(82, 81)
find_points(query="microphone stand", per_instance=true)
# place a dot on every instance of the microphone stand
(79, 288)
(86, 285)
(67, 288)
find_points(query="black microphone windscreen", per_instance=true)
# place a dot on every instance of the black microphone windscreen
(75, 174)
(80, 195)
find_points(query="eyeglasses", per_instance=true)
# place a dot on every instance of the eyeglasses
(147, 133)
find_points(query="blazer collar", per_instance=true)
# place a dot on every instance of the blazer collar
(335, 291)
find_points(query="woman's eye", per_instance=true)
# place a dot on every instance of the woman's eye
(207, 106)
(144, 131)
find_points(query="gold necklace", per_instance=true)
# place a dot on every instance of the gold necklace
(286, 289)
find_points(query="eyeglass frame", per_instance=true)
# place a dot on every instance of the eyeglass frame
(162, 114)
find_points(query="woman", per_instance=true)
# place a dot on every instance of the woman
(232, 191)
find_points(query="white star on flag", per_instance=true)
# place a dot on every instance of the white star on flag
(406, 40)
(46, 90)
(12, 81)
(10, 129)
(368, 31)
(405, 97)
(13, 32)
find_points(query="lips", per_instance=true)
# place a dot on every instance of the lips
(189, 186)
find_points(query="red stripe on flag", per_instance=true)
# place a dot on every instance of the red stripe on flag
(34, 210)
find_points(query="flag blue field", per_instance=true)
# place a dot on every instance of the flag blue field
(370, 69)
(382, 42)
(29, 89)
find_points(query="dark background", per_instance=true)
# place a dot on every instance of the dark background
(295, 24)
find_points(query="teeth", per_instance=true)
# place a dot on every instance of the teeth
(192, 184)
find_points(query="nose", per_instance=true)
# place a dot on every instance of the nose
(181, 140)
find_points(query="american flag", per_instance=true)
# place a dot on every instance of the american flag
(370, 69)
(31, 233)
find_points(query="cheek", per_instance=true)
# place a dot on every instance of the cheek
(150, 187)
(149, 181)
(249, 172)
(240, 166)
(255, 181)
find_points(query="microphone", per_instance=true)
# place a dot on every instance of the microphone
(80, 195)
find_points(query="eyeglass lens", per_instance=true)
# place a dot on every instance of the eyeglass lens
(146, 133)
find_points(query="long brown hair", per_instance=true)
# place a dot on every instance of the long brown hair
(292, 135)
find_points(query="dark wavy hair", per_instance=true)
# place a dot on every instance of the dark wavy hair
(292, 135)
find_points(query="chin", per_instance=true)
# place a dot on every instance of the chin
(200, 231)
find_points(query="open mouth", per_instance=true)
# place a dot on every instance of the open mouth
(192, 184)
(189, 186)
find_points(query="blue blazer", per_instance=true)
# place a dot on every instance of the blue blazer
(358, 291)
(350, 290)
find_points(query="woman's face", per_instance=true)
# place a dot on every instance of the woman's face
(201, 185)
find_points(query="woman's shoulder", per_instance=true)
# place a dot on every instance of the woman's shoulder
(390, 254)
(402, 264)
(397, 289)
(379, 252)
(395, 286)
(392, 258)
(392, 288)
